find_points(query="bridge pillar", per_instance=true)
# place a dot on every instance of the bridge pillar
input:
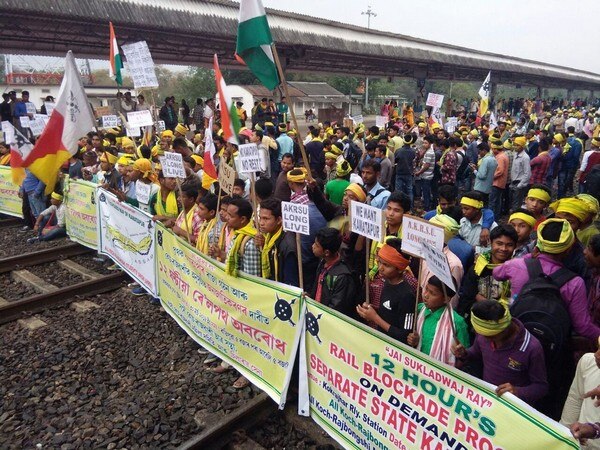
(539, 92)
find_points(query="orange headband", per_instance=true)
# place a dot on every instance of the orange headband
(390, 255)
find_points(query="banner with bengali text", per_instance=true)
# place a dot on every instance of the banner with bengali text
(251, 323)
(80, 216)
(126, 234)
(369, 391)
(10, 203)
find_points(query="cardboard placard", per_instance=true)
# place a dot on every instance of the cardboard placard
(367, 221)
(37, 125)
(358, 119)
(160, 126)
(437, 262)
(110, 121)
(9, 132)
(435, 100)
(30, 108)
(142, 192)
(295, 218)
(24, 121)
(415, 231)
(134, 132)
(249, 158)
(103, 111)
(226, 177)
(381, 121)
(140, 118)
(140, 65)
(49, 107)
(172, 165)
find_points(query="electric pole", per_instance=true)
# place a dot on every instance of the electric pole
(369, 12)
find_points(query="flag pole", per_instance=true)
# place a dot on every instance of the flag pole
(285, 90)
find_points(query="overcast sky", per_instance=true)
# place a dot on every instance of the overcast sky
(554, 31)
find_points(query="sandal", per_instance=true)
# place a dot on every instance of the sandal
(241, 383)
(219, 369)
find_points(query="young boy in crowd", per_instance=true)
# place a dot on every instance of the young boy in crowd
(210, 229)
(396, 314)
(334, 285)
(524, 223)
(513, 359)
(472, 228)
(50, 223)
(536, 201)
(478, 283)
(438, 325)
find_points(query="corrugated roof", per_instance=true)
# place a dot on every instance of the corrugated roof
(258, 90)
(316, 88)
(185, 31)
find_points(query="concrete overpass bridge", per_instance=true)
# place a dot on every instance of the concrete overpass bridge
(190, 31)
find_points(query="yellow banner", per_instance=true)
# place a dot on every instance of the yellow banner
(249, 322)
(10, 203)
(369, 391)
(81, 216)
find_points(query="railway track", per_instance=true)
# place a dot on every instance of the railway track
(10, 222)
(49, 295)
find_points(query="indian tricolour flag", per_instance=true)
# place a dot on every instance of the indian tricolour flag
(72, 118)
(230, 121)
(115, 61)
(254, 43)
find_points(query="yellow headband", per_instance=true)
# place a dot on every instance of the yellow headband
(572, 205)
(495, 143)
(297, 178)
(181, 129)
(56, 196)
(108, 158)
(559, 138)
(596, 142)
(329, 155)
(540, 194)
(478, 204)
(125, 161)
(358, 191)
(565, 241)
(591, 202)
(529, 220)
(491, 327)
(451, 226)
(520, 141)
(343, 169)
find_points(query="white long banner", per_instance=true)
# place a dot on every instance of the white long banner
(126, 234)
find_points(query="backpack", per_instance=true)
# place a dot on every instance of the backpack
(353, 154)
(541, 309)
(462, 171)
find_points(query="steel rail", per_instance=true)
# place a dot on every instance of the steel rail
(42, 256)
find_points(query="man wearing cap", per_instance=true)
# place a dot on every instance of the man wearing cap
(512, 358)
(590, 159)
(286, 143)
(520, 173)
(334, 189)
(555, 152)
(569, 161)
(471, 225)
(588, 228)
(50, 224)
(404, 159)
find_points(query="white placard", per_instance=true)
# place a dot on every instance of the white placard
(367, 221)
(140, 118)
(24, 120)
(49, 107)
(437, 263)
(160, 126)
(381, 121)
(436, 116)
(142, 192)
(134, 132)
(172, 165)
(110, 121)
(249, 158)
(295, 218)
(126, 234)
(9, 132)
(37, 125)
(358, 119)
(451, 124)
(30, 107)
(140, 65)
(435, 100)
(226, 177)
(415, 231)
